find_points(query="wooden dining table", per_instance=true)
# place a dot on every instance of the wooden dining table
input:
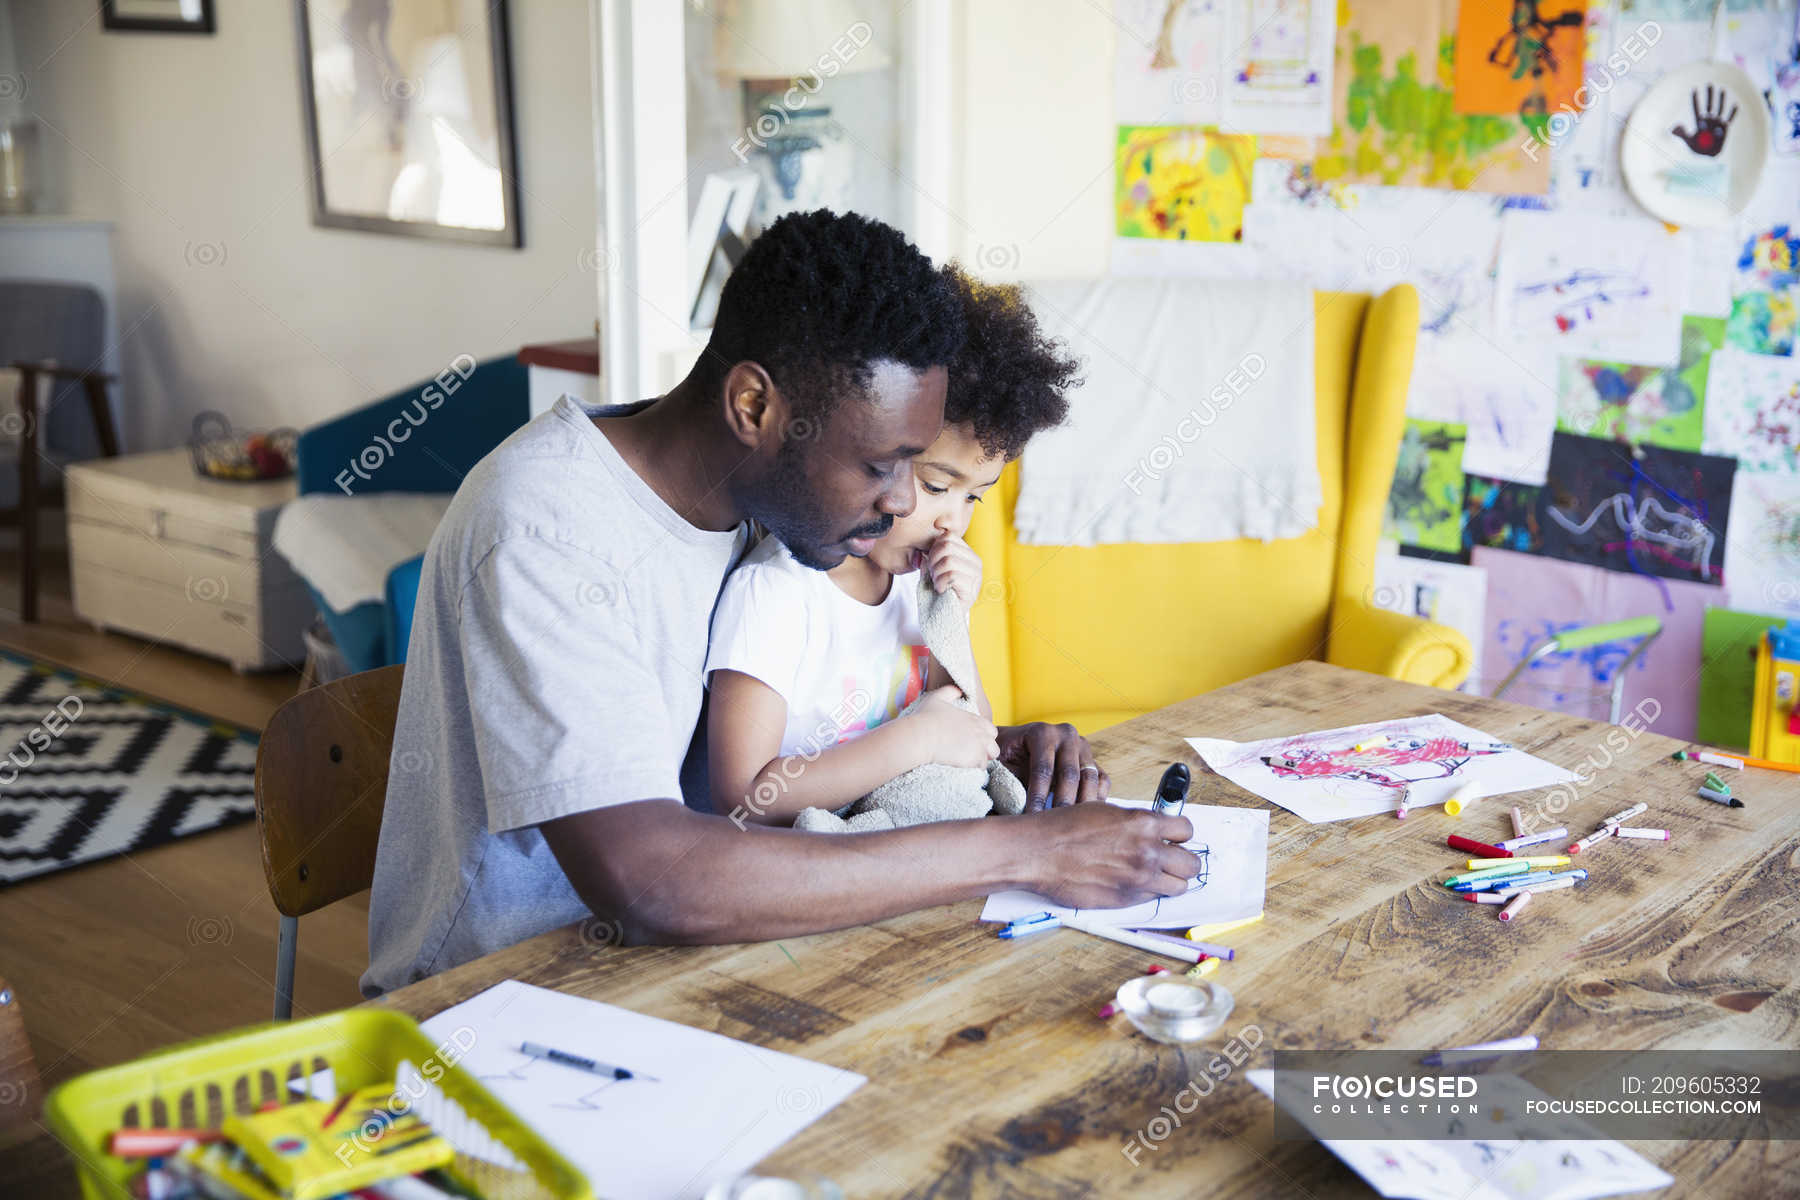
(990, 1072)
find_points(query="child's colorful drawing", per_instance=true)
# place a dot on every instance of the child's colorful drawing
(1531, 598)
(1166, 71)
(1658, 405)
(1393, 117)
(1522, 58)
(1603, 287)
(1501, 514)
(1425, 502)
(1644, 510)
(1181, 183)
(1323, 777)
(1762, 553)
(1753, 413)
(1770, 260)
(1764, 322)
(1277, 77)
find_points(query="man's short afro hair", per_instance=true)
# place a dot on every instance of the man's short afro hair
(821, 296)
(1010, 378)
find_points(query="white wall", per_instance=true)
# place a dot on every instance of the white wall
(1032, 196)
(194, 145)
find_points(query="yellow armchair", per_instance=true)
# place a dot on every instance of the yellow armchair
(1095, 635)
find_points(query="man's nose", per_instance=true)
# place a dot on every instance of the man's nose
(901, 496)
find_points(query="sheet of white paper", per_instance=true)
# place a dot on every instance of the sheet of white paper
(1503, 393)
(1166, 66)
(713, 1108)
(1330, 780)
(1448, 593)
(1277, 67)
(1753, 410)
(1497, 1168)
(1712, 255)
(1601, 287)
(1762, 551)
(1237, 845)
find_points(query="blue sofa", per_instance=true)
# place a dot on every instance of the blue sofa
(456, 417)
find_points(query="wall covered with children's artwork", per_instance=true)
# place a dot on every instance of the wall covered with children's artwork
(1599, 204)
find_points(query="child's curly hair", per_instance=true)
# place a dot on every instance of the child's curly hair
(1010, 377)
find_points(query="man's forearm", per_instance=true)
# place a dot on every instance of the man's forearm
(692, 878)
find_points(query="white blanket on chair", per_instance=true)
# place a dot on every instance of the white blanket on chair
(344, 546)
(1195, 422)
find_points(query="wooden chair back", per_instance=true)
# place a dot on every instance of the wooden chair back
(321, 783)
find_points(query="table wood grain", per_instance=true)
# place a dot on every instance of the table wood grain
(990, 1075)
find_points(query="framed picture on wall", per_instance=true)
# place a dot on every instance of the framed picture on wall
(157, 16)
(408, 107)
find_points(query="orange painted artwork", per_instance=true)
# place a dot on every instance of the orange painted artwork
(1518, 57)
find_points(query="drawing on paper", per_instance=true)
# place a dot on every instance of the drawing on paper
(1764, 322)
(1755, 414)
(1608, 288)
(1762, 556)
(1502, 515)
(1425, 503)
(1523, 57)
(1277, 76)
(1629, 403)
(1394, 117)
(1648, 510)
(1182, 183)
(1166, 69)
(1323, 777)
(1770, 259)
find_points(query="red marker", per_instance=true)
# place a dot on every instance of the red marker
(1478, 849)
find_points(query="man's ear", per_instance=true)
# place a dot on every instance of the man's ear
(755, 411)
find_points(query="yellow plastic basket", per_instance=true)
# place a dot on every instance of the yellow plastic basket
(197, 1085)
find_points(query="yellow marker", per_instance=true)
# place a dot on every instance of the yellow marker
(1205, 933)
(1463, 797)
(1541, 860)
(1379, 739)
(1202, 969)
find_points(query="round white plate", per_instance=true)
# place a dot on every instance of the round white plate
(1669, 173)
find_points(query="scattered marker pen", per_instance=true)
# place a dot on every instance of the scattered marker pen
(1400, 809)
(1027, 928)
(1518, 820)
(1515, 905)
(1380, 739)
(1484, 897)
(1653, 835)
(1536, 860)
(1593, 839)
(1626, 813)
(1479, 849)
(1463, 797)
(1725, 798)
(1533, 839)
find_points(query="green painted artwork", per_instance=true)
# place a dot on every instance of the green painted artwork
(1425, 504)
(1764, 322)
(1728, 642)
(1662, 406)
(1396, 120)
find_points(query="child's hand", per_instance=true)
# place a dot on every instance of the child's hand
(947, 734)
(951, 564)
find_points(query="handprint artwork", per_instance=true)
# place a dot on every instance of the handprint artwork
(1710, 123)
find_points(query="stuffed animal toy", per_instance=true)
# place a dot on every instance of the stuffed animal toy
(931, 791)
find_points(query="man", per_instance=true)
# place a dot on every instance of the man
(554, 677)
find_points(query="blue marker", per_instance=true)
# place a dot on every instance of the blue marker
(1031, 927)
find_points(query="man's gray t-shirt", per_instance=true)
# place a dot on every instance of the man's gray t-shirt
(555, 666)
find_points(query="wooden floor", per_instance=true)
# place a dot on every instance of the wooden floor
(118, 957)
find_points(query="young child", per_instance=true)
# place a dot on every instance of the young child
(808, 670)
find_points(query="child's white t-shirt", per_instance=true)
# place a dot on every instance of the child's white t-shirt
(843, 666)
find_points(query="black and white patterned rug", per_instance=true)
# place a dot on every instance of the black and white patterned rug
(87, 772)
